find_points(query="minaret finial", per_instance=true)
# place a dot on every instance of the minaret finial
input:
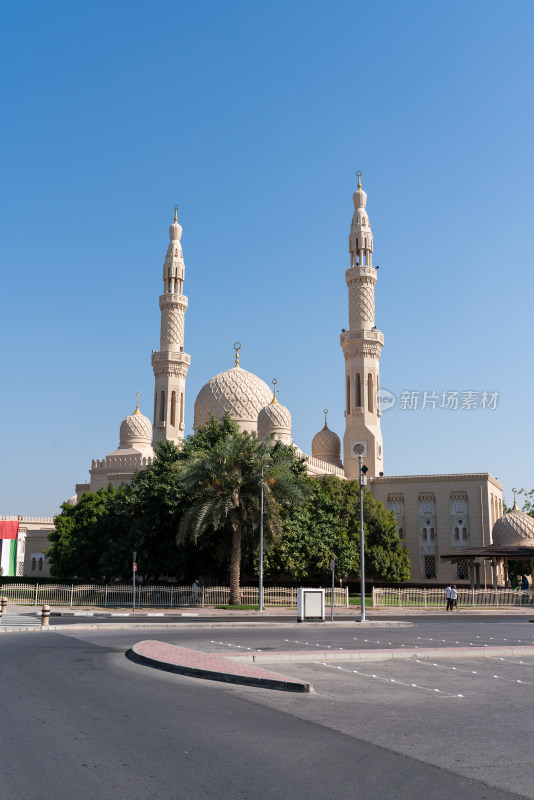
(325, 412)
(274, 401)
(516, 507)
(237, 348)
(176, 213)
(359, 174)
(137, 407)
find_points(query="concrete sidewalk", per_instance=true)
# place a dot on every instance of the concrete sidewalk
(340, 612)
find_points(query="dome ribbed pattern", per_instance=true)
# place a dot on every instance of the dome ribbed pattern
(274, 418)
(327, 447)
(237, 391)
(135, 428)
(516, 527)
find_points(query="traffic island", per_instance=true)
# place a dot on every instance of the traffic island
(183, 661)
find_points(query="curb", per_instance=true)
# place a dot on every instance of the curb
(197, 626)
(300, 656)
(259, 680)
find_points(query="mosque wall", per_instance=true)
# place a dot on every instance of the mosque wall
(439, 514)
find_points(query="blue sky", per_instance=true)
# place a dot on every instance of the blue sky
(254, 117)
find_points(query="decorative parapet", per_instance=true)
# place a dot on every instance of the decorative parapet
(121, 462)
(22, 518)
(324, 466)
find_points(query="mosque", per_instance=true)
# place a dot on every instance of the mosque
(445, 521)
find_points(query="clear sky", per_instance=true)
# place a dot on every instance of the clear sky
(254, 117)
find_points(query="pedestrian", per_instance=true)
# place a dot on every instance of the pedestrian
(195, 590)
(454, 598)
(448, 596)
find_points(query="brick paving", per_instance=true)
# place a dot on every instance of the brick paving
(207, 665)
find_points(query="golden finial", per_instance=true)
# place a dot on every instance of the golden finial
(325, 412)
(237, 348)
(176, 213)
(137, 409)
(516, 507)
(359, 174)
(274, 401)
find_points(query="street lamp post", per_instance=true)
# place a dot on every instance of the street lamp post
(363, 470)
(260, 591)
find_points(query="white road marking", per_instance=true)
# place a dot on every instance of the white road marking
(387, 680)
(473, 672)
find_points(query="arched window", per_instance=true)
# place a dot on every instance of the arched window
(401, 533)
(173, 409)
(181, 408)
(370, 392)
(348, 394)
(464, 533)
(162, 406)
(432, 535)
(424, 533)
(456, 533)
(155, 405)
(358, 390)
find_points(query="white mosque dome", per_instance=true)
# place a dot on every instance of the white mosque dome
(135, 429)
(514, 528)
(326, 446)
(237, 391)
(276, 419)
(72, 501)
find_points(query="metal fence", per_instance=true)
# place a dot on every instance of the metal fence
(152, 596)
(467, 598)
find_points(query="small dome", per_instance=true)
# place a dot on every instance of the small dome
(135, 429)
(275, 419)
(237, 391)
(175, 232)
(73, 501)
(359, 198)
(326, 446)
(514, 528)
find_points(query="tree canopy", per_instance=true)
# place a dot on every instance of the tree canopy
(195, 513)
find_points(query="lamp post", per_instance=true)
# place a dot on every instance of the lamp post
(260, 590)
(363, 470)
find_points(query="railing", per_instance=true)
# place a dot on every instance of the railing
(152, 596)
(467, 598)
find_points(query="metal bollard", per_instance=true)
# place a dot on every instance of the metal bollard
(45, 615)
(3, 604)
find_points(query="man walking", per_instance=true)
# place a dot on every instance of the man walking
(454, 598)
(448, 596)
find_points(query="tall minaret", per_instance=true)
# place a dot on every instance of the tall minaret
(170, 364)
(362, 345)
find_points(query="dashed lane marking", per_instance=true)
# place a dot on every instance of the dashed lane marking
(391, 681)
(237, 646)
(473, 672)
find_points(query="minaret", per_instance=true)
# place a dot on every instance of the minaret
(362, 344)
(170, 364)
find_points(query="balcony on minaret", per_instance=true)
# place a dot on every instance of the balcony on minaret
(373, 335)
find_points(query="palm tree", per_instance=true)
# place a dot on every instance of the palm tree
(225, 482)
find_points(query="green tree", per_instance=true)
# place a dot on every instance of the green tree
(225, 481)
(329, 526)
(82, 534)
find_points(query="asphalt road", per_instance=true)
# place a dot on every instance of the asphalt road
(79, 719)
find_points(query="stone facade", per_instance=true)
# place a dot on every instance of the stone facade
(439, 514)
(32, 539)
